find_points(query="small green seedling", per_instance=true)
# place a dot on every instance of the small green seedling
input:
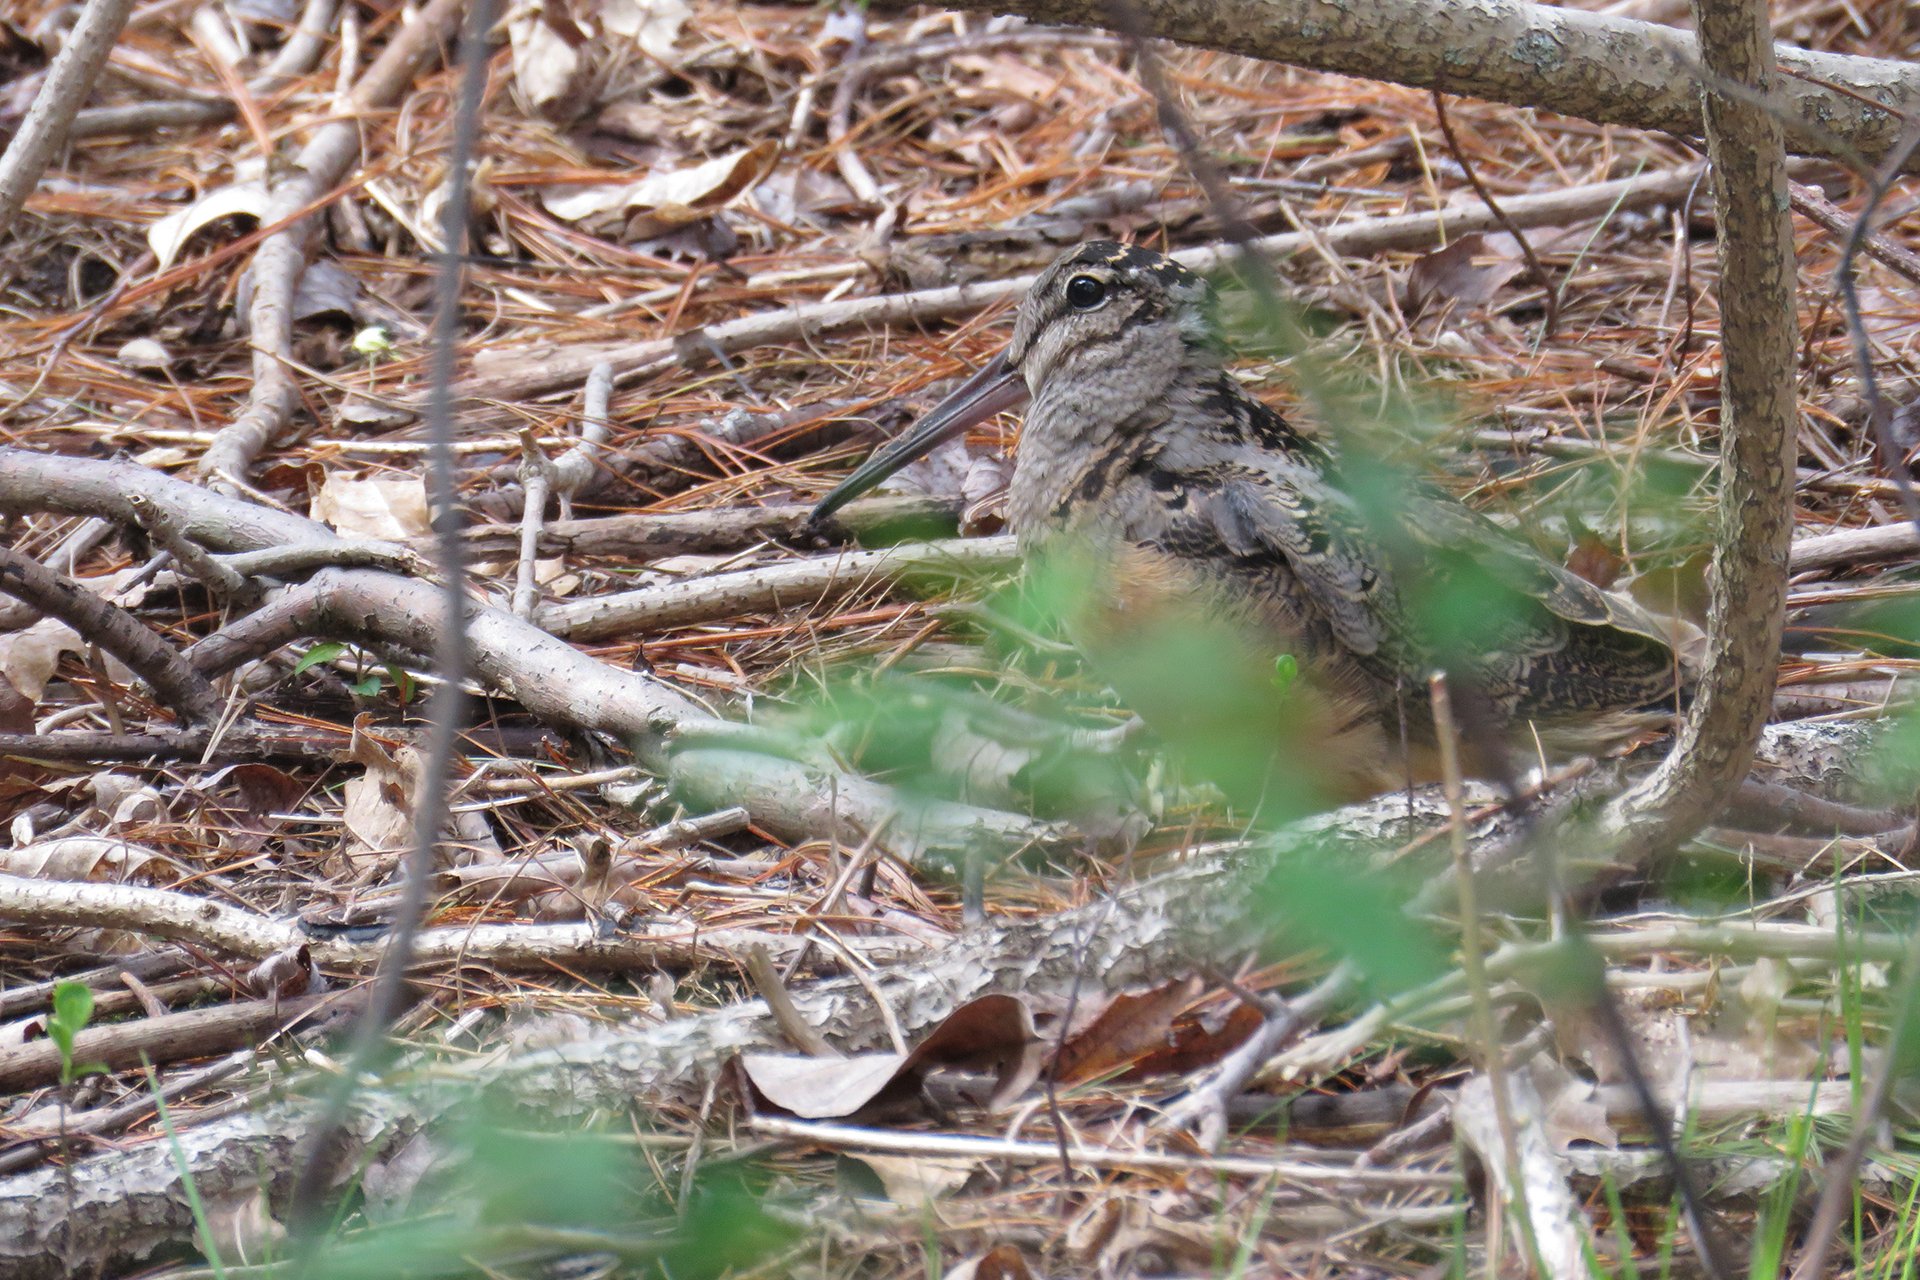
(374, 343)
(72, 1010)
(318, 654)
(369, 684)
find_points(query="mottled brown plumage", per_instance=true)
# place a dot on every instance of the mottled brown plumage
(1187, 503)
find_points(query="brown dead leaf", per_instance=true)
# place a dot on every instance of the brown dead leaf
(99, 858)
(557, 46)
(654, 25)
(792, 192)
(266, 788)
(1131, 1026)
(822, 1088)
(917, 1180)
(550, 65)
(982, 766)
(118, 801)
(1010, 75)
(1002, 1262)
(1466, 272)
(665, 198)
(1571, 1110)
(286, 973)
(378, 805)
(991, 1033)
(171, 233)
(29, 657)
(1595, 560)
(984, 490)
(1198, 1043)
(385, 507)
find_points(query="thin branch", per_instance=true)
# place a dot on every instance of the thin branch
(1534, 266)
(1892, 457)
(68, 82)
(433, 798)
(114, 629)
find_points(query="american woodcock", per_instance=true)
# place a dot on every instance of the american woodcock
(1189, 508)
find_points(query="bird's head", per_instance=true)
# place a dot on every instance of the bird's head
(1114, 314)
(1119, 318)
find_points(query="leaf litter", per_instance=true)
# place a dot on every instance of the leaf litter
(656, 171)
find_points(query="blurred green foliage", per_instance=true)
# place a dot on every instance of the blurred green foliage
(517, 1201)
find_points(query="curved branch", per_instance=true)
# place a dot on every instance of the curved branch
(50, 117)
(281, 258)
(1758, 451)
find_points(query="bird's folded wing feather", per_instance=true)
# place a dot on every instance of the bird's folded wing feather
(1288, 510)
(1348, 562)
(1566, 594)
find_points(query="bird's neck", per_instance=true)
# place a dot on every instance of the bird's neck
(1081, 435)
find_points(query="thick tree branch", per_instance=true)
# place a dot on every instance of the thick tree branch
(1602, 68)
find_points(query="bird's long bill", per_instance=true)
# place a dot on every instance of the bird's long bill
(994, 389)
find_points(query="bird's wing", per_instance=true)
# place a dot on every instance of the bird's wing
(1287, 508)
(1365, 571)
(1458, 530)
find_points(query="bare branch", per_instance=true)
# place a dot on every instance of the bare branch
(68, 82)
(1607, 69)
(113, 629)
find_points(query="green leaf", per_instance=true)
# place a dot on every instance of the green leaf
(318, 654)
(366, 686)
(1318, 897)
(72, 1006)
(403, 685)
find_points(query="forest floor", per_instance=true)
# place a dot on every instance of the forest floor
(738, 796)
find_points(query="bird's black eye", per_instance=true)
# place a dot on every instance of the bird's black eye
(1086, 292)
